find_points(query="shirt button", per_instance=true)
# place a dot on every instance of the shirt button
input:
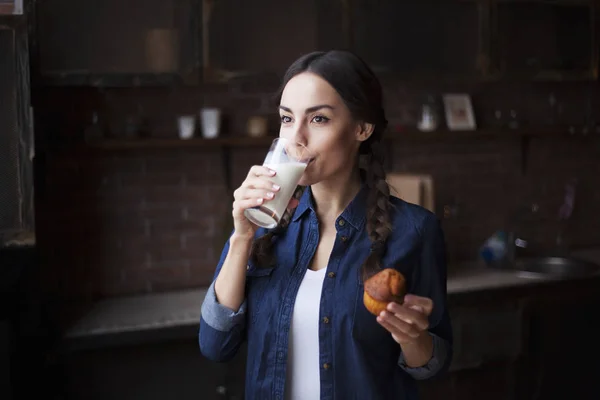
(344, 238)
(326, 366)
(326, 320)
(247, 268)
(341, 222)
(331, 274)
(280, 355)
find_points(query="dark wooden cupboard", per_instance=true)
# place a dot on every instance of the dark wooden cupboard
(111, 43)
(16, 138)
(115, 43)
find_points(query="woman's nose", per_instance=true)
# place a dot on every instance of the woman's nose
(299, 133)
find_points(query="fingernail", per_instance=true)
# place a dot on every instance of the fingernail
(275, 187)
(270, 195)
(259, 201)
(272, 172)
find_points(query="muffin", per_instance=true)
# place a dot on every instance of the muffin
(382, 288)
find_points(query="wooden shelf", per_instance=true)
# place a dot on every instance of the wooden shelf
(408, 134)
(124, 144)
(525, 132)
(106, 80)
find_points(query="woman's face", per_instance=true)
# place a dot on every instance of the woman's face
(314, 114)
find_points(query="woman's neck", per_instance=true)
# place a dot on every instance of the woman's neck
(332, 197)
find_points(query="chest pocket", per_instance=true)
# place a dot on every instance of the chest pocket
(365, 328)
(257, 290)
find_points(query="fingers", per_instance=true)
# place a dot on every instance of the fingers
(255, 183)
(409, 315)
(257, 186)
(240, 205)
(398, 327)
(424, 303)
(398, 336)
(257, 189)
(249, 198)
(260, 170)
(251, 193)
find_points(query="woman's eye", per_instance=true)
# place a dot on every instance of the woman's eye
(285, 119)
(319, 119)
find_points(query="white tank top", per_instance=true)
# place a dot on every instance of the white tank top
(303, 379)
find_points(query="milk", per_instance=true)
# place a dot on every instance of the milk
(287, 177)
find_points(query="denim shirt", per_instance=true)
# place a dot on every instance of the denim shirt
(358, 358)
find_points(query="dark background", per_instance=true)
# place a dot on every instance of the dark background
(140, 212)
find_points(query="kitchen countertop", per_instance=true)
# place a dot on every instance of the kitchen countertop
(176, 314)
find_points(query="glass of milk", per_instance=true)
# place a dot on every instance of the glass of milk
(289, 160)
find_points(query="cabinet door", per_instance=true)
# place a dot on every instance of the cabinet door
(117, 43)
(266, 36)
(16, 204)
(417, 38)
(564, 347)
(489, 333)
(546, 40)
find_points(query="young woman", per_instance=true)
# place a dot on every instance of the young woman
(296, 292)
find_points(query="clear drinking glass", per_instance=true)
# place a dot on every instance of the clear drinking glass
(289, 160)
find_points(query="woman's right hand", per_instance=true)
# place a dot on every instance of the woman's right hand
(256, 189)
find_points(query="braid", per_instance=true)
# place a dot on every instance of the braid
(379, 226)
(262, 248)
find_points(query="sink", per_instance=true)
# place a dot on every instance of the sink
(555, 267)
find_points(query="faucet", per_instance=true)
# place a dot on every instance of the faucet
(513, 239)
(564, 214)
(513, 243)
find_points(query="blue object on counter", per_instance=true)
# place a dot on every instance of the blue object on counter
(494, 248)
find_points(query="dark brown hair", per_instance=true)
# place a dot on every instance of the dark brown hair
(361, 91)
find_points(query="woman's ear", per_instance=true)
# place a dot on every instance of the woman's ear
(364, 131)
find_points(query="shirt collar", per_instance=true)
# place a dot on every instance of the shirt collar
(355, 213)
(306, 203)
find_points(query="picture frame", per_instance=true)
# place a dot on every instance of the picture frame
(459, 112)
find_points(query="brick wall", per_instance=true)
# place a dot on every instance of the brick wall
(123, 222)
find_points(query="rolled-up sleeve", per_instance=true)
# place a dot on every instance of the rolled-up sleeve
(221, 329)
(430, 281)
(218, 316)
(435, 363)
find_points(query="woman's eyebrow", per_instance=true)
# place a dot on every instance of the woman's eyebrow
(309, 109)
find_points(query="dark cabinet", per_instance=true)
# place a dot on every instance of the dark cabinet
(172, 369)
(116, 43)
(491, 334)
(139, 42)
(485, 39)
(538, 343)
(563, 349)
(418, 38)
(113, 43)
(16, 138)
(266, 36)
(547, 40)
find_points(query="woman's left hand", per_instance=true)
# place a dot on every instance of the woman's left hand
(408, 322)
